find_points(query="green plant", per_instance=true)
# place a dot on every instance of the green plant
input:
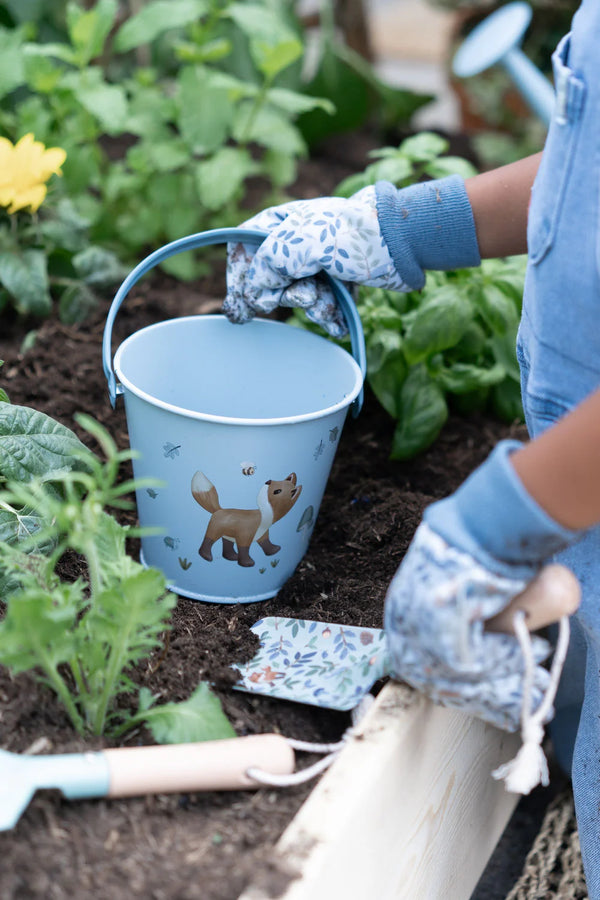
(45, 253)
(49, 17)
(507, 131)
(450, 345)
(350, 82)
(3, 394)
(423, 154)
(160, 150)
(82, 637)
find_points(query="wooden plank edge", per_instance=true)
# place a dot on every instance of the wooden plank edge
(408, 811)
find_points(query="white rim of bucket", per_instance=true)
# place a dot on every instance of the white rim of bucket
(233, 420)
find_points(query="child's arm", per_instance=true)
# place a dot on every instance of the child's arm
(500, 203)
(476, 550)
(561, 468)
(382, 236)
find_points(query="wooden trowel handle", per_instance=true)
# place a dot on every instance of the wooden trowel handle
(552, 594)
(210, 765)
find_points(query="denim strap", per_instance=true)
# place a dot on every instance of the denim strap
(570, 90)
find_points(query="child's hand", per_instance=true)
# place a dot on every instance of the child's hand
(330, 234)
(474, 552)
(436, 609)
(381, 237)
(312, 294)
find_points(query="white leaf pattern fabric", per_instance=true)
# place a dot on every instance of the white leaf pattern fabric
(305, 237)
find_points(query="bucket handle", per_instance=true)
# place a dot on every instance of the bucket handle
(224, 236)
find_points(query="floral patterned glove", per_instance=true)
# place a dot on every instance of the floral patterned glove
(345, 238)
(472, 554)
(329, 234)
(436, 609)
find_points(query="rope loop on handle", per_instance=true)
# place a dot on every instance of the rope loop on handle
(530, 767)
(332, 752)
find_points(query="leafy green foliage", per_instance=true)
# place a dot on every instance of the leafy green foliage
(348, 80)
(3, 394)
(164, 117)
(150, 22)
(417, 156)
(82, 637)
(49, 257)
(182, 722)
(451, 345)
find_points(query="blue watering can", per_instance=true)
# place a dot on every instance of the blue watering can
(497, 40)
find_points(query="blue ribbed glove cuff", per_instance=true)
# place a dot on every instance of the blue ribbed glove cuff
(493, 518)
(428, 225)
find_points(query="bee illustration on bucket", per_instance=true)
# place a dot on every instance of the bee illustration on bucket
(238, 528)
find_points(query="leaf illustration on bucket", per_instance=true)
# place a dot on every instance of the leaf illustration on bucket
(318, 450)
(307, 520)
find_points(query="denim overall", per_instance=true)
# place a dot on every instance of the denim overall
(559, 354)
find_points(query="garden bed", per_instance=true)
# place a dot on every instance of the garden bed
(209, 846)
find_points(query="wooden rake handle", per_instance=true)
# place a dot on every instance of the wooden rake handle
(552, 594)
(209, 766)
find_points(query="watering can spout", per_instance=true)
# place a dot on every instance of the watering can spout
(497, 40)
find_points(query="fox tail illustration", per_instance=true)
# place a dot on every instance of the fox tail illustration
(205, 493)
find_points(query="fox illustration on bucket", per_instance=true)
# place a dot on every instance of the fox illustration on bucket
(238, 528)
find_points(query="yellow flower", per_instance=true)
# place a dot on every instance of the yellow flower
(25, 167)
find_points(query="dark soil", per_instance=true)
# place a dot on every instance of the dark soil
(208, 846)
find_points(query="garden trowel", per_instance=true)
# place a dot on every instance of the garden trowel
(334, 666)
(134, 771)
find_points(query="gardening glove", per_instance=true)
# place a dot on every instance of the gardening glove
(473, 552)
(380, 237)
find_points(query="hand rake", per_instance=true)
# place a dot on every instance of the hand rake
(132, 771)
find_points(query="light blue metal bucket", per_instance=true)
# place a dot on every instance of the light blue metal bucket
(240, 423)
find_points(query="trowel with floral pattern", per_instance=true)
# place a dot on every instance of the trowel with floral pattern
(313, 662)
(334, 666)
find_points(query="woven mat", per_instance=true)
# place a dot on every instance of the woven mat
(553, 868)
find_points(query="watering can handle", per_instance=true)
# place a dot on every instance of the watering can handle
(223, 236)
